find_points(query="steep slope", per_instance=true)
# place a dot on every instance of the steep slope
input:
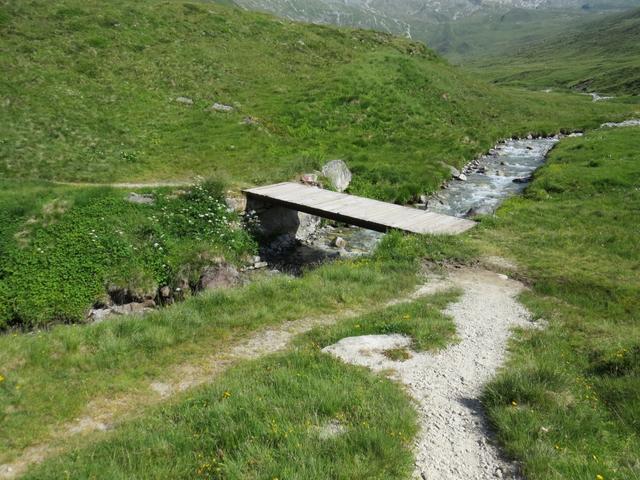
(602, 56)
(122, 92)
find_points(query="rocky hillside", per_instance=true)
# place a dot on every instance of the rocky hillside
(460, 29)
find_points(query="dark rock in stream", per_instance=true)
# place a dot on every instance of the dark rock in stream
(522, 179)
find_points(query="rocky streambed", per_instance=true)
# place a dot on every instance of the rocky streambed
(487, 181)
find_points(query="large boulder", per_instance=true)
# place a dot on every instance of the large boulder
(219, 275)
(337, 172)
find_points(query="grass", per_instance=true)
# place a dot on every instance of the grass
(264, 419)
(567, 403)
(61, 246)
(597, 56)
(261, 420)
(50, 376)
(90, 95)
(421, 320)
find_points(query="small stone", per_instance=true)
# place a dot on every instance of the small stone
(219, 275)
(220, 107)
(184, 100)
(309, 178)
(339, 242)
(522, 180)
(141, 199)
(260, 265)
(462, 177)
(454, 171)
(97, 315)
(165, 292)
(236, 202)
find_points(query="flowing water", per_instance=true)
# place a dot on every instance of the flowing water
(502, 173)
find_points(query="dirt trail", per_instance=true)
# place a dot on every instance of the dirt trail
(133, 185)
(455, 442)
(105, 414)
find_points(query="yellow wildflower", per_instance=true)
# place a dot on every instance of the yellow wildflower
(599, 477)
(514, 403)
(226, 394)
(1, 379)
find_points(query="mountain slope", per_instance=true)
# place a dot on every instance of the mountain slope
(602, 56)
(124, 92)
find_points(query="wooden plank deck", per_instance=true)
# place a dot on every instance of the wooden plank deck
(359, 211)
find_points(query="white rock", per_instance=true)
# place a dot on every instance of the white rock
(184, 100)
(337, 172)
(219, 107)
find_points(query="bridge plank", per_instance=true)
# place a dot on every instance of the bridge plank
(360, 211)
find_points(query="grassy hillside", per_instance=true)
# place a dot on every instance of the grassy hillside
(567, 403)
(460, 30)
(91, 93)
(600, 56)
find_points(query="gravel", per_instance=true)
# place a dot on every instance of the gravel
(455, 442)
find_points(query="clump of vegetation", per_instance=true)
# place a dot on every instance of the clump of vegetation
(567, 404)
(397, 354)
(59, 252)
(421, 320)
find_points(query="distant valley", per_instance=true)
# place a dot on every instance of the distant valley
(459, 29)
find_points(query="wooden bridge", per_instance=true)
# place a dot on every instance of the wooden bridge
(359, 211)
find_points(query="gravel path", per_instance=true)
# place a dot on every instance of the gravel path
(454, 442)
